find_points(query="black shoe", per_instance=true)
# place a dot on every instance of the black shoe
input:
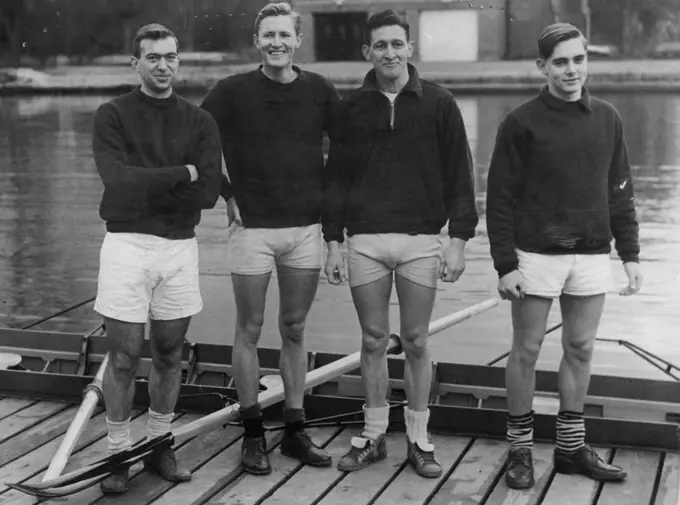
(520, 471)
(164, 463)
(298, 445)
(586, 461)
(254, 458)
(116, 483)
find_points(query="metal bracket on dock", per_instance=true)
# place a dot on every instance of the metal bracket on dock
(193, 364)
(311, 364)
(83, 354)
(434, 384)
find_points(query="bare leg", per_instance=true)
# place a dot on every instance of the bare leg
(372, 304)
(250, 292)
(581, 317)
(118, 387)
(529, 320)
(415, 308)
(166, 339)
(297, 289)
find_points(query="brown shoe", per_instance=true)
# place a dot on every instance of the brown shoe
(520, 471)
(116, 483)
(423, 461)
(254, 457)
(164, 463)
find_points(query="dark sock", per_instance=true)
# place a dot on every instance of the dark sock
(571, 431)
(293, 419)
(520, 430)
(251, 417)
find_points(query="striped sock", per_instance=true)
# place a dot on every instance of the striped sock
(571, 431)
(520, 430)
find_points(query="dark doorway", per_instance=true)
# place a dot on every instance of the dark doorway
(338, 36)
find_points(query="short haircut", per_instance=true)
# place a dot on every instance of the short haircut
(554, 34)
(278, 9)
(385, 18)
(153, 31)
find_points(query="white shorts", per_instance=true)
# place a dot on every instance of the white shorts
(255, 251)
(414, 257)
(144, 276)
(549, 275)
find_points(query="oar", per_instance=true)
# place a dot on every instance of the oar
(91, 399)
(70, 483)
(61, 312)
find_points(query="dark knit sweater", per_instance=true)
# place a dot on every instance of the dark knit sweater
(405, 168)
(560, 182)
(141, 146)
(272, 138)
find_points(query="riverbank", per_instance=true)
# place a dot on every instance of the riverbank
(490, 76)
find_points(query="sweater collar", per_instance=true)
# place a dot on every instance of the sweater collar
(559, 104)
(413, 85)
(264, 78)
(159, 103)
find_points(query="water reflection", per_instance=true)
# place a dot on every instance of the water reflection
(50, 231)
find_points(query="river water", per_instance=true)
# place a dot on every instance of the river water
(50, 232)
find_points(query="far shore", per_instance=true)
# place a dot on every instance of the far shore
(196, 75)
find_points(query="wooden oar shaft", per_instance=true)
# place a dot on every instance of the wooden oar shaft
(320, 375)
(89, 403)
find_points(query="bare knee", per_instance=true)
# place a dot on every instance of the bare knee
(525, 351)
(414, 342)
(123, 363)
(292, 328)
(249, 330)
(578, 351)
(374, 340)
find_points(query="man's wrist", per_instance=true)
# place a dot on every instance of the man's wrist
(193, 173)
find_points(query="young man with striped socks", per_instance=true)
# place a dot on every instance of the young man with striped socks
(559, 188)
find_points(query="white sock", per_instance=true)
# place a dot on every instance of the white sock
(376, 420)
(416, 427)
(159, 424)
(118, 435)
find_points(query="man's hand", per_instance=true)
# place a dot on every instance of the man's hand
(335, 270)
(453, 265)
(512, 286)
(233, 214)
(634, 279)
(193, 173)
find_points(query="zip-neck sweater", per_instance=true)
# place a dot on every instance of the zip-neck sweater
(272, 139)
(399, 167)
(141, 148)
(560, 182)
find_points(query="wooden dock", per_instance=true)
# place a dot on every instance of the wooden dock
(30, 432)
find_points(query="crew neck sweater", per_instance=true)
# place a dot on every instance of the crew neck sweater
(272, 139)
(560, 182)
(141, 148)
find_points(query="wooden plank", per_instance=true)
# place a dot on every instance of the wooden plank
(217, 474)
(310, 483)
(638, 486)
(669, 482)
(473, 476)
(147, 487)
(100, 450)
(29, 417)
(411, 488)
(571, 489)
(9, 406)
(38, 435)
(251, 489)
(503, 495)
(84, 455)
